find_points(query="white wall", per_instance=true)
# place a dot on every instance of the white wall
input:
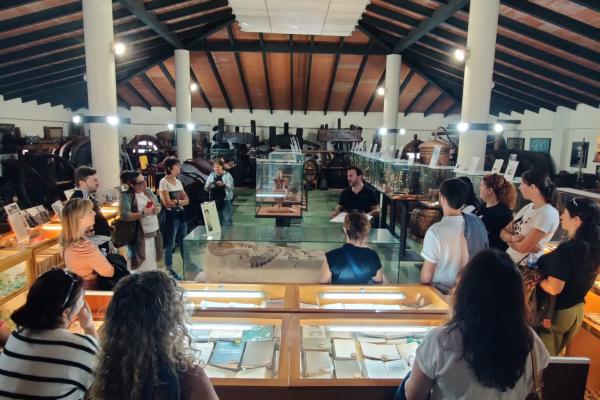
(564, 127)
(32, 118)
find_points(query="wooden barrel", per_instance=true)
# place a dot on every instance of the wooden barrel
(421, 219)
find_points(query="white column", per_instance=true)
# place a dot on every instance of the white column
(390, 101)
(101, 89)
(479, 68)
(184, 104)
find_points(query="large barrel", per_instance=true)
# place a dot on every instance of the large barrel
(421, 219)
(336, 172)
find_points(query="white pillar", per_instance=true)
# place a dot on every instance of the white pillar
(390, 101)
(479, 68)
(101, 89)
(184, 104)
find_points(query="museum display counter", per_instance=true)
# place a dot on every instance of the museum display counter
(15, 272)
(279, 190)
(265, 254)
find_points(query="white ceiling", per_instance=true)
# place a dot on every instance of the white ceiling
(303, 17)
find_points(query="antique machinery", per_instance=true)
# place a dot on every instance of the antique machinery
(333, 165)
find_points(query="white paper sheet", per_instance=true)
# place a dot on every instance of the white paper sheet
(317, 363)
(385, 352)
(347, 369)
(397, 369)
(375, 369)
(344, 349)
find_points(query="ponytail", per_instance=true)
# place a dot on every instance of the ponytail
(542, 182)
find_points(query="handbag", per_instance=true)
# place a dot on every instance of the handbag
(119, 263)
(124, 232)
(536, 394)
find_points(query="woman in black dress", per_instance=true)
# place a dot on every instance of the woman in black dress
(498, 197)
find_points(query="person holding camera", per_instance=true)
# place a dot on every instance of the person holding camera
(219, 186)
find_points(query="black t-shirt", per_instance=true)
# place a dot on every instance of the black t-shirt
(495, 218)
(361, 201)
(101, 226)
(576, 263)
(340, 260)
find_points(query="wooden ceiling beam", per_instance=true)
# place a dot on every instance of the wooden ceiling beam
(266, 71)
(186, 11)
(359, 73)
(433, 105)
(137, 8)
(122, 102)
(591, 4)
(291, 74)
(332, 79)
(372, 98)
(308, 73)
(406, 81)
(167, 74)
(195, 80)
(137, 94)
(155, 91)
(48, 14)
(414, 101)
(240, 69)
(284, 47)
(215, 71)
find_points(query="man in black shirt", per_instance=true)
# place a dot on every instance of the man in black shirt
(86, 184)
(357, 197)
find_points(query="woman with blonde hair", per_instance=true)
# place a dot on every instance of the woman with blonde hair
(82, 257)
(354, 262)
(146, 354)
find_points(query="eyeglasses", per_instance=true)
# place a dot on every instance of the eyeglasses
(140, 182)
(71, 285)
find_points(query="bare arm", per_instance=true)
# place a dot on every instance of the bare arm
(507, 232)
(375, 211)
(325, 273)
(552, 285)
(378, 278)
(337, 211)
(418, 386)
(527, 243)
(427, 272)
(166, 200)
(184, 200)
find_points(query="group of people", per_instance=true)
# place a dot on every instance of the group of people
(159, 220)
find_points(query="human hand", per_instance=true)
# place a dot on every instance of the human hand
(517, 238)
(536, 249)
(84, 316)
(219, 184)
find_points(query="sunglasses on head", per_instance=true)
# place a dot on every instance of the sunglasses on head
(72, 280)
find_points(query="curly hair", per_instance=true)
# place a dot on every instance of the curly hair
(145, 342)
(505, 191)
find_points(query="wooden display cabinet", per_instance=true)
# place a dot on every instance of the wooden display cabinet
(15, 273)
(403, 299)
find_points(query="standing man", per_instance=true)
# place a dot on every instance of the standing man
(357, 197)
(86, 184)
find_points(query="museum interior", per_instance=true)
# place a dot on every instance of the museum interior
(317, 183)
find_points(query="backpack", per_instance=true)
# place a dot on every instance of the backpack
(218, 194)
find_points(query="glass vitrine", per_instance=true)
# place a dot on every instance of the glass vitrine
(279, 188)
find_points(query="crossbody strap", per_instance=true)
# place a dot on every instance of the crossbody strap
(537, 385)
(358, 273)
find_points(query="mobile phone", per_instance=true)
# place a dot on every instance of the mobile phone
(149, 204)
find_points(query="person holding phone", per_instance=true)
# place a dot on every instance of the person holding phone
(138, 203)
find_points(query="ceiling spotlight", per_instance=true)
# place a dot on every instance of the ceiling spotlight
(460, 55)
(402, 131)
(498, 128)
(112, 120)
(119, 48)
(194, 87)
(382, 131)
(462, 127)
(171, 127)
(381, 90)
(76, 119)
(191, 127)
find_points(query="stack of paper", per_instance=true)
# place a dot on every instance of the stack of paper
(347, 369)
(258, 354)
(227, 355)
(312, 331)
(316, 344)
(344, 349)
(202, 351)
(383, 352)
(375, 369)
(317, 364)
(225, 334)
(397, 369)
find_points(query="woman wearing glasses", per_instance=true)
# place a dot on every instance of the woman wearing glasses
(82, 257)
(42, 358)
(571, 270)
(499, 197)
(138, 203)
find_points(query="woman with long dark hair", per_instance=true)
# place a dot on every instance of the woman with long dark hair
(535, 223)
(485, 351)
(498, 198)
(42, 358)
(146, 349)
(571, 270)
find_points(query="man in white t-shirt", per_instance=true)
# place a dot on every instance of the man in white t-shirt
(445, 248)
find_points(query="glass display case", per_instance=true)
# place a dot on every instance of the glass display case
(279, 189)
(262, 253)
(287, 155)
(15, 272)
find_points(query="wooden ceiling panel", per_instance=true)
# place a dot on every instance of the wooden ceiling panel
(220, 35)
(571, 9)
(344, 79)
(300, 69)
(389, 20)
(368, 82)
(162, 84)
(32, 8)
(227, 67)
(357, 37)
(206, 78)
(377, 105)
(275, 37)
(404, 10)
(442, 106)
(322, 65)
(128, 97)
(196, 98)
(279, 79)
(411, 90)
(255, 78)
(426, 100)
(143, 90)
(238, 34)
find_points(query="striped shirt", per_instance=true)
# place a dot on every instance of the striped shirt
(50, 364)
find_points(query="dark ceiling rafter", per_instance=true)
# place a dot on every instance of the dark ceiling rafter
(15, 3)
(554, 18)
(137, 94)
(372, 98)
(454, 109)
(433, 105)
(167, 74)
(240, 69)
(137, 8)
(291, 74)
(154, 90)
(334, 70)
(308, 72)
(406, 81)
(591, 4)
(284, 47)
(266, 71)
(359, 73)
(195, 80)
(440, 15)
(215, 71)
(39, 16)
(186, 11)
(121, 102)
(414, 101)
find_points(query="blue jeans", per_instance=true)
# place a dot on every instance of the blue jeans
(176, 229)
(226, 214)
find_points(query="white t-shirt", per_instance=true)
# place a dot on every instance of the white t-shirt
(446, 246)
(545, 219)
(455, 380)
(149, 222)
(174, 191)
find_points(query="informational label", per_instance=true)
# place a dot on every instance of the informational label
(437, 149)
(497, 166)
(512, 157)
(511, 170)
(17, 222)
(211, 217)
(474, 164)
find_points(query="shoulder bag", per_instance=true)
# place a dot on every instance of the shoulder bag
(124, 232)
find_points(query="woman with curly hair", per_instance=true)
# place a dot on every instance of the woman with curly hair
(146, 348)
(498, 197)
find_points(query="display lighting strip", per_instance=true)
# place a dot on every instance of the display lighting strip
(220, 327)
(220, 294)
(276, 195)
(377, 329)
(362, 296)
